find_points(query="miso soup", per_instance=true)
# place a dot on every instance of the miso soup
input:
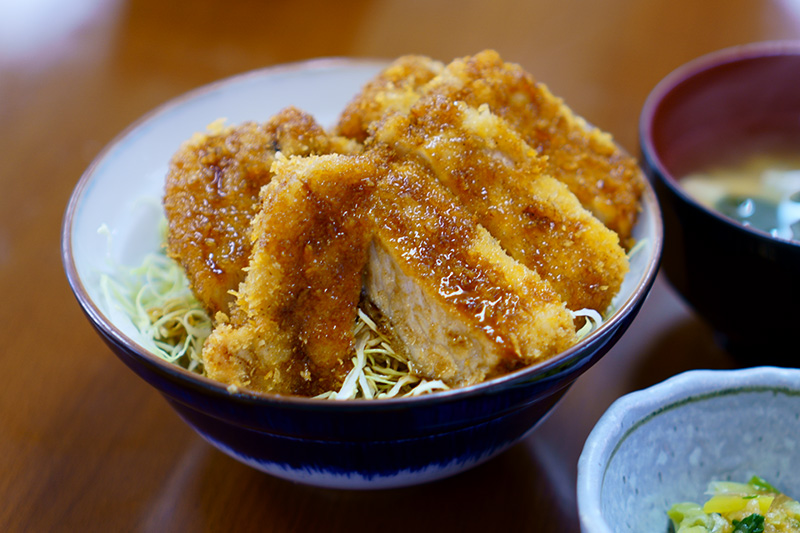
(762, 191)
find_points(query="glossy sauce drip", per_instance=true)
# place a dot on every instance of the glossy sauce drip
(435, 234)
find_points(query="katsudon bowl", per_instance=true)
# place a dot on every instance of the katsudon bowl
(113, 219)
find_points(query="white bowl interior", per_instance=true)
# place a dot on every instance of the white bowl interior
(124, 186)
(663, 445)
(644, 260)
(121, 192)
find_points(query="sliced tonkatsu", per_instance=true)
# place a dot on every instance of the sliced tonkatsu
(212, 189)
(461, 307)
(501, 181)
(606, 180)
(292, 329)
(462, 207)
(394, 89)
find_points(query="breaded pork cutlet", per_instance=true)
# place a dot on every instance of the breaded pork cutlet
(212, 189)
(293, 332)
(394, 89)
(457, 304)
(501, 181)
(462, 308)
(464, 205)
(605, 179)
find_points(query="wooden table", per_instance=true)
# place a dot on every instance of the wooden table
(86, 445)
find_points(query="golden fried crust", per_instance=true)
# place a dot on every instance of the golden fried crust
(501, 181)
(605, 179)
(212, 192)
(464, 309)
(297, 307)
(472, 218)
(395, 89)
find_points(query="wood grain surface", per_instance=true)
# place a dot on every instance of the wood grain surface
(85, 445)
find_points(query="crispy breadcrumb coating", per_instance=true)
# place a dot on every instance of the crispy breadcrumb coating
(293, 329)
(394, 89)
(464, 204)
(212, 189)
(501, 180)
(463, 309)
(605, 179)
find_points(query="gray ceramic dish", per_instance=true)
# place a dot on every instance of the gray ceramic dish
(662, 445)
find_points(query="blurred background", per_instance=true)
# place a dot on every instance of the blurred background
(85, 445)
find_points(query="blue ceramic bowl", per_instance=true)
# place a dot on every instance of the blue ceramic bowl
(663, 445)
(743, 281)
(355, 444)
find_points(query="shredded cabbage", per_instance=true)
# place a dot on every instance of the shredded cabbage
(156, 296)
(378, 371)
(593, 319)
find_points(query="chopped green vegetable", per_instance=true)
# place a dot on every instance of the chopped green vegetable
(688, 517)
(753, 523)
(752, 507)
(760, 483)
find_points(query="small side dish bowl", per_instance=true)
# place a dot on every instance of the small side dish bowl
(355, 444)
(722, 108)
(663, 445)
